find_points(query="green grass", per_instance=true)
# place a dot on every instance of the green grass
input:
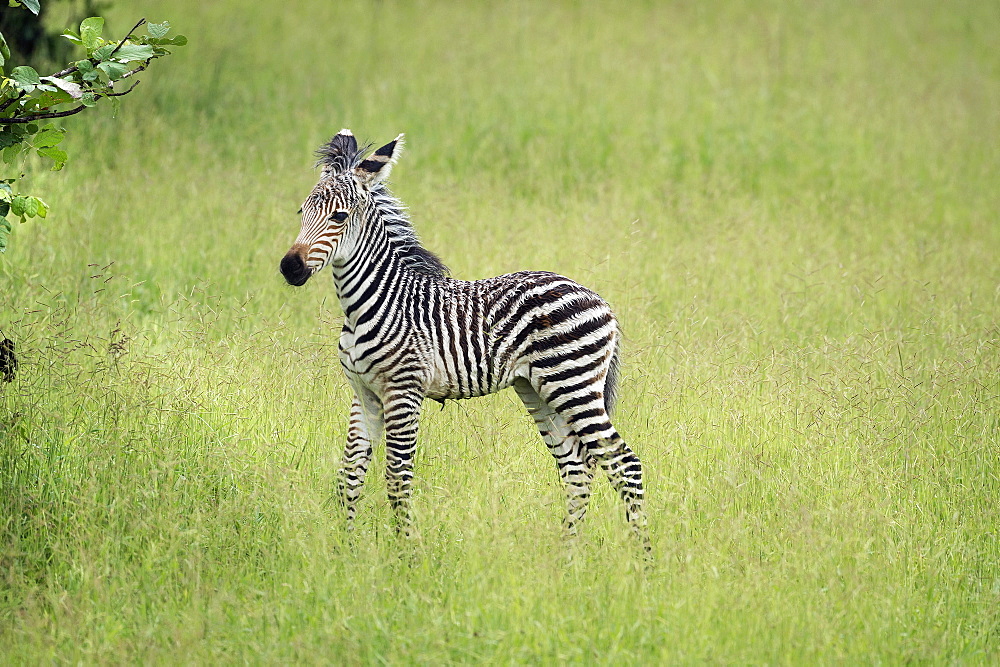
(793, 210)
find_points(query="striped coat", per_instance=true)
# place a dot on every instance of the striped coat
(411, 332)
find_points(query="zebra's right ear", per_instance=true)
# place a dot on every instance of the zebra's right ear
(376, 167)
(336, 154)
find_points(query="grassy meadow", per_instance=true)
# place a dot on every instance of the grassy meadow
(793, 208)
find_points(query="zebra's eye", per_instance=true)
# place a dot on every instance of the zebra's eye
(339, 216)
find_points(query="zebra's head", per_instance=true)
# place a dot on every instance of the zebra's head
(331, 214)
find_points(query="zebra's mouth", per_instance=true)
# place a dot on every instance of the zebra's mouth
(294, 268)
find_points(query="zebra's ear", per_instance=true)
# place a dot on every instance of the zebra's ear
(336, 154)
(376, 167)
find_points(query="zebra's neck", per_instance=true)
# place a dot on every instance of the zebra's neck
(386, 263)
(361, 280)
(401, 236)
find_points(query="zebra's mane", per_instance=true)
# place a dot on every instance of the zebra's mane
(342, 154)
(403, 237)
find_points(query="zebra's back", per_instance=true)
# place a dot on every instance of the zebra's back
(540, 326)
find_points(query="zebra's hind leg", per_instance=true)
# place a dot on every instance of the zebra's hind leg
(576, 467)
(587, 417)
(365, 428)
(624, 470)
(402, 415)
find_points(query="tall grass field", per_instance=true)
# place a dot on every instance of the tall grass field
(794, 209)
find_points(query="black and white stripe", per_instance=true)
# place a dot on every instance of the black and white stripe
(411, 332)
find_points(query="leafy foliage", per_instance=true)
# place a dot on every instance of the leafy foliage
(27, 97)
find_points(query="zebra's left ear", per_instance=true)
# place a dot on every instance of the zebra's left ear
(376, 167)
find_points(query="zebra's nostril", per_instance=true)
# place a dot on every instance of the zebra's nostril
(294, 269)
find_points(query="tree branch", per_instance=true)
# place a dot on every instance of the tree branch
(74, 68)
(62, 114)
(125, 38)
(68, 70)
(130, 89)
(11, 101)
(41, 116)
(133, 72)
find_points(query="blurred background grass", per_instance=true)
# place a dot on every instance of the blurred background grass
(793, 209)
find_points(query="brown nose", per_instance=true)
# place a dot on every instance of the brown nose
(293, 265)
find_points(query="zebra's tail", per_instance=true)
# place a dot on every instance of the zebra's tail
(611, 379)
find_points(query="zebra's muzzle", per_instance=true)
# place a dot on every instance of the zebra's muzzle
(294, 268)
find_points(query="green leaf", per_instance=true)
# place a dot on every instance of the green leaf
(50, 136)
(87, 70)
(131, 52)
(89, 99)
(4, 51)
(50, 99)
(112, 69)
(5, 228)
(158, 30)
(17, 206)
(30, 207)
(103, 52)
(41, 208)
(25, 77)
(72, 36)
(32, 6)
(57, 155)
(179, 40)
(90, 32)
(8, 138)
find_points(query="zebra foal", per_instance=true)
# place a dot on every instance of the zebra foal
(411, 332)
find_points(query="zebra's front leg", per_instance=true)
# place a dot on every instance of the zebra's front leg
(364, 429)
(402, 416)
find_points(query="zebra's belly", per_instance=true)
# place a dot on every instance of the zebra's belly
(449, 382)
(440, 392)
(443, 383)
(438, 386)
(441, 379)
